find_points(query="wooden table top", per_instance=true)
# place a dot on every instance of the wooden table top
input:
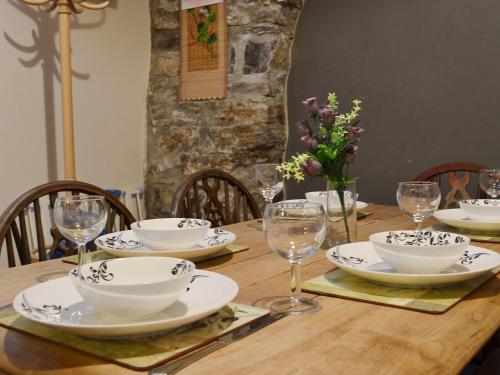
(345, 337)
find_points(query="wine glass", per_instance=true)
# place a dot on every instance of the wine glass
(80, 218)
(489, 181)
(295, 231)
(269, 181)
(418, 199)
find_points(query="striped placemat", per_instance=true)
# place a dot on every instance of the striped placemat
(103, 255)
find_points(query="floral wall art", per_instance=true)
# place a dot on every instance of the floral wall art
(203, 41)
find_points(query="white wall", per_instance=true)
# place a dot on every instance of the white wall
(111, 49)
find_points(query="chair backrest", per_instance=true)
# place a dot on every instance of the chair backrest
(459, 186)
(16, 231)
(216, 196)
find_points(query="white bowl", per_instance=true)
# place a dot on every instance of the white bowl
(482, 209)
(419, 252)
(172, 233)
(334, 200)
(133, 288)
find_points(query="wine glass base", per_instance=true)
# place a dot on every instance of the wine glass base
(295, 306)
(257, 225)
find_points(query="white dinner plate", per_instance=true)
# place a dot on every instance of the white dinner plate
(126, 244)
(359, 205)
(458, 218)
(56, 303)
(360, 259)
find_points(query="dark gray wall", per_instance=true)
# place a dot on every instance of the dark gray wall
(427, 71)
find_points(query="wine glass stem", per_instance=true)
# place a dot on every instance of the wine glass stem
(295, 284)
(82, 250)
(418, 225)
(268, 202)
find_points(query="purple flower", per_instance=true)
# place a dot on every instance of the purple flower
(304, 128)
(327, 116)
(311, 105)
(350, 153)
(309, 143)
(311, 167)
(354, 132)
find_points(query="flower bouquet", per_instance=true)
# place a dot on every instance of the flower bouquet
(330, 139)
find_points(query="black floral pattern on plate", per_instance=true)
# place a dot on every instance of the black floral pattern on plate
(348, 261)
(193, 279)
(48, 311)
(117, 242)
(426, 238)
(468, 258)
(218, 237)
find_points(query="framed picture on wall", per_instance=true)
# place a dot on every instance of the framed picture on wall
(203, 47)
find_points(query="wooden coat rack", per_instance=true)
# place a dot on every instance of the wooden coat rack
(65, 8)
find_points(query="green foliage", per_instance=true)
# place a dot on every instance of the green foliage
(205, 20)
(336, 142)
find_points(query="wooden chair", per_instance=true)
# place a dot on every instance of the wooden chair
(460, 188)
(216, 196)
(16, 232)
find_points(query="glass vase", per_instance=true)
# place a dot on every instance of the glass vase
(340, 208)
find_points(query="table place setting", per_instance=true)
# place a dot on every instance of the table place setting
(140, 310)
(477, 218)
(154, 351)
(127, 243)
(424, 270)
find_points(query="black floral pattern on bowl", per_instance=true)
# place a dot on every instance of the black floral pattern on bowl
(96, 275)
(483, 202)
(182, 268)
(192, 223)
(348, 261)
(426, 238)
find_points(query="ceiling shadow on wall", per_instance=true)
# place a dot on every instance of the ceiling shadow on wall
(44, 51)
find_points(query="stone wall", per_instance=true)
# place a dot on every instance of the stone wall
(248, 127)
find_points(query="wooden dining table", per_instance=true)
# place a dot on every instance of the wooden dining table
(344, 337)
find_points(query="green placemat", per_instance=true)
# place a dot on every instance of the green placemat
(103, 255)
(149, 352)
(472, 234)
(430, 300)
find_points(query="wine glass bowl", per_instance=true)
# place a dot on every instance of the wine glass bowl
(269, 181)
(489, 182)
(80, 219)
(418, 199)
(294, 231)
